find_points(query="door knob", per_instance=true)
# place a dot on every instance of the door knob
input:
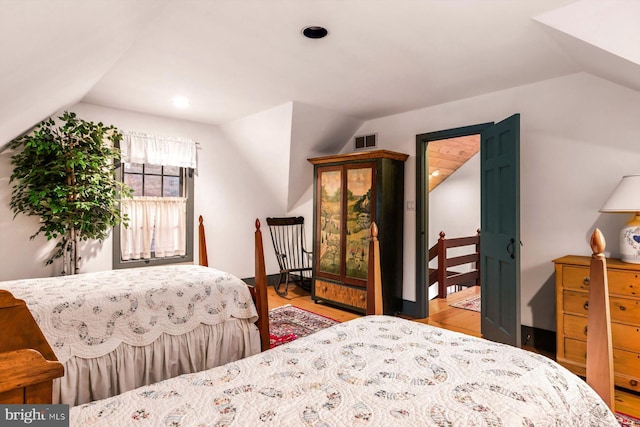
(510, 248)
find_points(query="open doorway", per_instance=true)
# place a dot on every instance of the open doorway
(449, 152)
(499, 224)
(454, 205)
(453, 174)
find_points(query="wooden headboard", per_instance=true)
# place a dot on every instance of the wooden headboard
(27, 362)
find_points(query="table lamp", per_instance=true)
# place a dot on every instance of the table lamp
(626, 198)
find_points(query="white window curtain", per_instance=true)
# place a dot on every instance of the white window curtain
(138, 147)
(155, 224)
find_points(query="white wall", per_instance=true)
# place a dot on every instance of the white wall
(315, 132)
(230, 193)
(579, 135)
(454, 205)
(263, 139)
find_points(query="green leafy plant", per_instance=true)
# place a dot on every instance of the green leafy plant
(64, 174)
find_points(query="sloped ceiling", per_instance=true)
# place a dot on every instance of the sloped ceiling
(236, 58)
(603, 37)
(54, 52)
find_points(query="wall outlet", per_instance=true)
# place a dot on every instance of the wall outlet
(411, 205)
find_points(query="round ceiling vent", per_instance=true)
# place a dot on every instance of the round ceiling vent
(314, 32)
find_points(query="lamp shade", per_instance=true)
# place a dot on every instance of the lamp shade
(625, 197)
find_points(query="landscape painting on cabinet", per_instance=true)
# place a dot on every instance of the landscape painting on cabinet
(358, 210)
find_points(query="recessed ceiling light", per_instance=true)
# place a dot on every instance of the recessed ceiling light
(181, 102)
(314, 32)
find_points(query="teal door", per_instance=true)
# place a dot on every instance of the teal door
(500, 231)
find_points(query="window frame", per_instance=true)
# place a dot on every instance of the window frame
(118, 263)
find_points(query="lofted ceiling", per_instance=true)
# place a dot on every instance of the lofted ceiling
(445, 156)
(233, 58)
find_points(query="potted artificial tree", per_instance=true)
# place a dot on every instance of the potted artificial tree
(64, 174)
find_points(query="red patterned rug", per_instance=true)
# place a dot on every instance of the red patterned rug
(470, 303)
(627, 420)
(287, 323)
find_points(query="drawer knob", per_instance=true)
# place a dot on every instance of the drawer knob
(585, 330)
(634, 383)
(623, 308)
(586, 281)
(324, 289)
(586, 305)
(362, 297)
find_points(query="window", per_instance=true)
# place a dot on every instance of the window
(151, 180)
(160, 229)
(163, 200)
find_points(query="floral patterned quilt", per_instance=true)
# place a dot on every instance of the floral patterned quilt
(89, 315)
(375, 370)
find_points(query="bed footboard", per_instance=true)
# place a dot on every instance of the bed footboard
(28, 366)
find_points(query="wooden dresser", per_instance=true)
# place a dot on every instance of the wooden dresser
(572, 303)
(351, 191)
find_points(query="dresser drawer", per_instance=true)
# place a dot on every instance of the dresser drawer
(625, 283)
(575, 302)
(626, 363)
(623, 310)
(575, 278)
(624, 337)
(339, 293)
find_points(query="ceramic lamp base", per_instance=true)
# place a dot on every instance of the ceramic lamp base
(630, 241)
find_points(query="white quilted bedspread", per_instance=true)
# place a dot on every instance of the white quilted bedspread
(376, 371)
(89, 315)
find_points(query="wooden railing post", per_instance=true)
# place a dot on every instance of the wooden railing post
(479, 260)
(442, 267)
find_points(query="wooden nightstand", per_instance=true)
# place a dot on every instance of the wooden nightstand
(572, 303)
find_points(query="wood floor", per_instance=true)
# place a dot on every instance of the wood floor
(442, 315)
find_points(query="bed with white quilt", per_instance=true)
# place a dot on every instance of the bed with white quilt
(375, 370)
(117, 330)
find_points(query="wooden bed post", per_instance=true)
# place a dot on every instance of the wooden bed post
(261, 290)
(202, 244)
(374, 282)
(599, 345)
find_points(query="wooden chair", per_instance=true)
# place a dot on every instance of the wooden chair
(295, 262)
